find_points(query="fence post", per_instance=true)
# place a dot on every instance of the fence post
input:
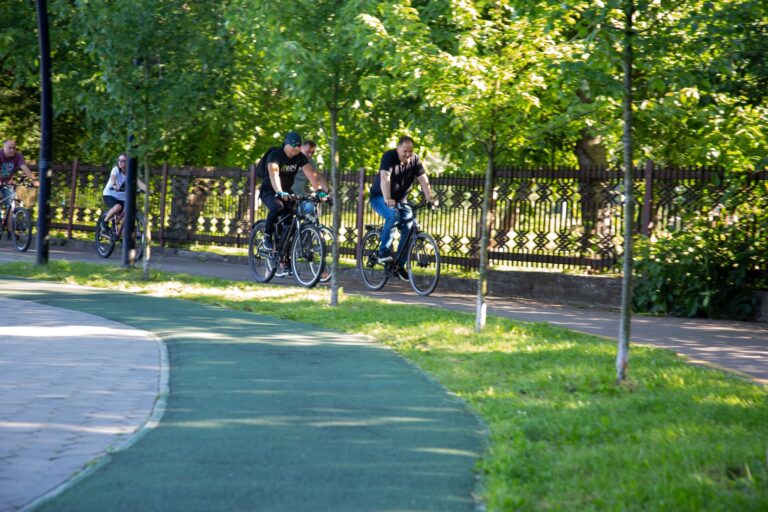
(360, 211)
(72, 198)
(645, 219)
(163, 191)
(251, 196)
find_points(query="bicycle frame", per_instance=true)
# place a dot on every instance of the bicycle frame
(404, 245)
(299, 219)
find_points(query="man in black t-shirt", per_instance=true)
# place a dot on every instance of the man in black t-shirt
(398, 169)
(282, 166)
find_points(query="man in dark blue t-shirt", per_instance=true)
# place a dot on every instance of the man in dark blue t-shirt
(282, 166)
(398, 169)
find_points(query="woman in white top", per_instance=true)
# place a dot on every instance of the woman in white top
(114, 190)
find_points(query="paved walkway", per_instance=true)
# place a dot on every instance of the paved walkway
(261, 415)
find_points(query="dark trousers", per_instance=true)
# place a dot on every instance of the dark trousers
(276, 208)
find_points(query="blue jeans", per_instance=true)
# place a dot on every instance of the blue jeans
(6, 195)
(392, 216)
(308, 207)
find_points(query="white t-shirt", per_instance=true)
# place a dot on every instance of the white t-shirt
(120, 181)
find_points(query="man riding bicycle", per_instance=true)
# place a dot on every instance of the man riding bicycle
(282, 165)
(398, 168)
(12, 160)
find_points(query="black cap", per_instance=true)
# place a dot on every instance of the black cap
(293, 139)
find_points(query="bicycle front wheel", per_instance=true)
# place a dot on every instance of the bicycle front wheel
(260, 261)
(328, 238)
(22, 229)
(105, 240)
(308, 256)
(374, 274)
(141, 239)
(423, 264)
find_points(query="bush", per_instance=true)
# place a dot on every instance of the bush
(703, 271)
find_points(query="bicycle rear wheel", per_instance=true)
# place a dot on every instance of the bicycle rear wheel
(328, 238)
(22, 229)
(308, 256)
(423, 264)
(105, 240)
(261, 262)
(374, 274)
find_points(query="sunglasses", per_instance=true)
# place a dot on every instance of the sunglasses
(296, 145)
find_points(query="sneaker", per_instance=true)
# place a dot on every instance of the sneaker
(283, 270)
(104, 226)
(384, 257)
(268, 243)
(401, 274)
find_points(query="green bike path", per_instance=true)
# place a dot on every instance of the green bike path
(274, 415)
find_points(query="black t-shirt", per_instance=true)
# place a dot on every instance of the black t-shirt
(288, 169)
(401, 175)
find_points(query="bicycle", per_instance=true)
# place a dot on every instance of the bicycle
(17, 220)
(303, 254)
(419, 252)
(106, 240)
(313, 217)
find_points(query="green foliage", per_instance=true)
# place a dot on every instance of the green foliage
(697, 272)
(221, 81)
(704, 269)
(563, 436)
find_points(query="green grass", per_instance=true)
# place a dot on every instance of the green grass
(563, 436)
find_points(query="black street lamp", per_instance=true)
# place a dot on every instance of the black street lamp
(46, 136)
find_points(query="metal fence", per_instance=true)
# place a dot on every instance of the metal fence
(555, 218)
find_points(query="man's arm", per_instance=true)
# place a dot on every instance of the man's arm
(26, 170)
(317, 180)
(274, 177)
(425, 187)
(386, 188)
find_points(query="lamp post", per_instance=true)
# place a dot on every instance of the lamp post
(46, 136)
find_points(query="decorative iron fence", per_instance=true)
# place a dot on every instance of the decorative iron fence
(562, 218)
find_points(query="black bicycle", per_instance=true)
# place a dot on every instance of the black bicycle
(312, 215)
(16, 219)
(106, 239)
(299, 246)
(418, 255)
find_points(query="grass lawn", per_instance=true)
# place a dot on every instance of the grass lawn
(563, 435)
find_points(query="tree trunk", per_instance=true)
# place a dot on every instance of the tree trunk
(147, 229)
(336, 207)
(622, 358)
(591, 155)
(485, 235)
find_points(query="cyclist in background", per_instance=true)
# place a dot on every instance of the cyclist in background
(301, 182)
(114, 190)
(398, 169)
(12, 160)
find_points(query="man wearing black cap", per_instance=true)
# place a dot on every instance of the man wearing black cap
(282, 166)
